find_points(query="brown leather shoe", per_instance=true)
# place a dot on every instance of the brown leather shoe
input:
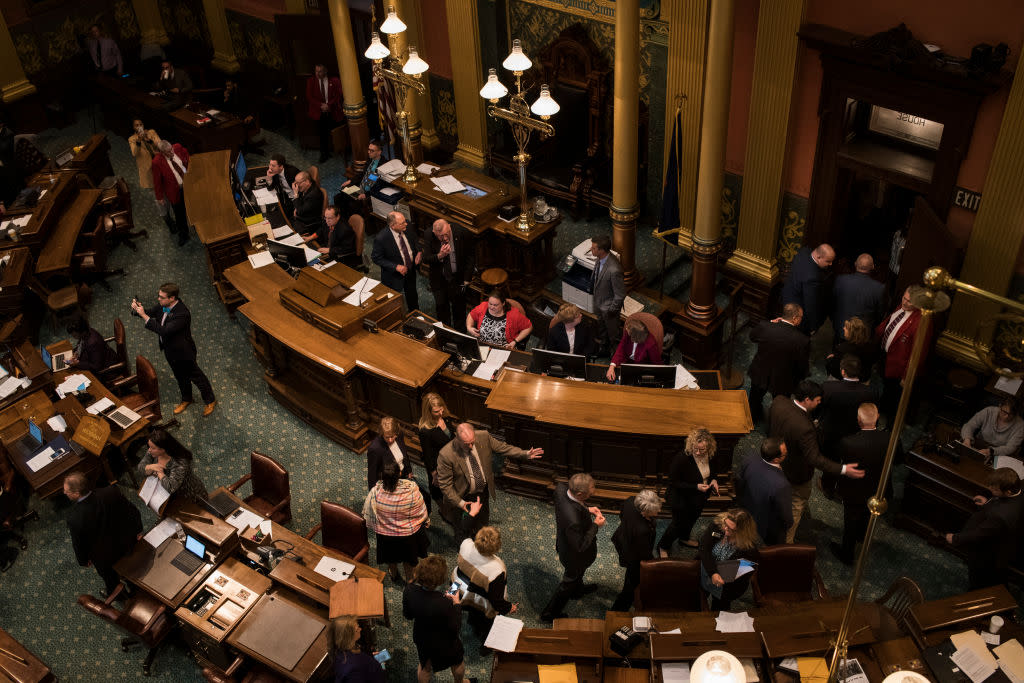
(208, 410)
(180, 408)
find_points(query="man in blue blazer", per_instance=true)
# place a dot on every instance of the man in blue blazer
(763, 490)
(398, 254)
(858, 294)
(807, 285)
(171, 321)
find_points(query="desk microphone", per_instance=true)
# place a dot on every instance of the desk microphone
(359, 298)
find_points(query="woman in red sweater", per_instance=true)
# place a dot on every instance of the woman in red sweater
(496, 322)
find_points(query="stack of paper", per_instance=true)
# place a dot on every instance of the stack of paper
(264, 197)
(631, 306)
(283, 231)
(19, 222)
(12, 384)
(73, 383)
(427, 168)
(161, 532)
(504, 634)
(734, 622)
(972, 656)
(495, 359)
(1011, 660)
(391, 169)
(41, 460)
(685, 380)
(153, 493)
(448, 184)
(675, 672)
(260, 259)
(99, 406)
(333, 569)
(292, 240)
(242, 519)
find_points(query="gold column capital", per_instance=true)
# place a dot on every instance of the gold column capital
(151, 25)
(624, 215)
(755, 267)
(224, 58)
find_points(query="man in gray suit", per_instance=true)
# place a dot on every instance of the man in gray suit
(609, 290)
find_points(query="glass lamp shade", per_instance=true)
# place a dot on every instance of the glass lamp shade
(516, 60)
(414, 66)
(392, 24)
(377, 49)
(493, 89)
(545, 106)
(717, 666)
(904, 677)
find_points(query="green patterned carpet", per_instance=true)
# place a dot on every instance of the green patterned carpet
(37, 596)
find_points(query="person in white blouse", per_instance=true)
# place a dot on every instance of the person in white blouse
(571, 333)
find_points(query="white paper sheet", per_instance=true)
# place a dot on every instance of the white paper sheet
(41, 460)
(389, 191)
(244, 520)
(260, 259)
(675, 672)
(333, 569)
(293, 240)
(99, 406)
(973, 666)
(448, 184)
(504, 634)
(361, 291)
(71, 384)
(631, 306)
(264, 197)
(161, 532)
(1009, 385)
(495, 360)
(427, 168)
(685, 380)
(153, 493)
(734, 622)
(1011, 462)
(391, 169)
(283, 231)
(57, 423)
(9, 386)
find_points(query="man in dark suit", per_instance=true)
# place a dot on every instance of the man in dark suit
(989, 538)
(858, 295)
(789, 419)
(451, 257)
(398, 254)
(174, 327)
(634, 541)
(576, 541)
(897, 332)
(807, 285)
(466, 478)
(763, 490)
(175, 82)
(867, 449)
(782, 358)
(104, 526)
(309, 203)
(609, 290)
(323, 100)
(281, 178)
(840, 399)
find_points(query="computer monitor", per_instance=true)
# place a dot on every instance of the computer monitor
(47, 358)
(293, 256)
(558, 364)
(658, 376)
(195, 546)
(241, 168)
(35, 432)
(454, 342)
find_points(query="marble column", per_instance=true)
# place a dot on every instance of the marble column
(353, 103)
(625, 209)
(468, 76)
(13, 83)
(775, 59)
(224, 58)
(399, 45)
(151, 26)
(995, 238)
(707, 228)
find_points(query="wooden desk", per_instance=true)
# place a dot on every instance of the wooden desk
(119, 438)
(548, 646)
(14, 279)
(55, 257)
(262, 623)
(805, 628)
(151, 570)
(527, 258)
(46, 214)
(211, 208)
(21, 665)
(26, 360)
(961, 609)
(92, 159)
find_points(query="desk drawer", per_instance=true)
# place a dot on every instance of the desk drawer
(206, 649)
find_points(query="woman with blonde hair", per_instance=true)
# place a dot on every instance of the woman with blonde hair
(570, 333)
(857, 341)
(691, 482)
(732, 536)
(485, 577)
(351, 664)
(437, 429)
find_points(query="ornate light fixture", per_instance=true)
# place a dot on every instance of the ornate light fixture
(717, 666)
(518, 116)
(402, 76)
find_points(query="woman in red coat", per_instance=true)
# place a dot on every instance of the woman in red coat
(497, 322)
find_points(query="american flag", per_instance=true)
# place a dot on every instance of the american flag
(386, 108)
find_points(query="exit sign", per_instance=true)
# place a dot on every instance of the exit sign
(966, 199)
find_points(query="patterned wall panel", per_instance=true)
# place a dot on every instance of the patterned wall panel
(254, 40)
(791, 231)
(732, 193)
(185, 19)
(442, 101)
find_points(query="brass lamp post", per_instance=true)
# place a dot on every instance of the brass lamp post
(930, 299)
(518, 117)
(402, 76)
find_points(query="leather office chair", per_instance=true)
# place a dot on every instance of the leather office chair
(344, 530)
(653, 325)
(271, 495)
(118, 223)
(146, 401)
(119, 368)
(90, 265)
(143, 617)
(787, 574)
(61, 304)
(894, 610)
(670, 584)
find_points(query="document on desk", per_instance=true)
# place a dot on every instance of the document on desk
(292, 240)
(260, 259)
(100, 406)
(675, 672)
(361, 291)
(352, 190)
(389, 191)
(970, 640)
(73, 383)
(391, 169)
(427, 168)
(153, 493)
(631, 306)
(1008, 384)
(243, 519)
(557, 673)
(283, 231)
(734, 622)
(41, 460)
(495, 360)
(9, 386)
(504, 634)
(1011, 659)
(333, 569)
(161, 532)
(264, 197)
(972, 665)
(684, 380)
(448, 184)
(1011, 462)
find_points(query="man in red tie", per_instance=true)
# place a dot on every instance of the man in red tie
(323, 97)
(896, 333)
(398, 254)
(169, 169)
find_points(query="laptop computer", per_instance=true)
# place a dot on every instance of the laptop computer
(221, 505)
(192, 557)
(122, 416)
(30, 443)
(58, 362)
(958, 449)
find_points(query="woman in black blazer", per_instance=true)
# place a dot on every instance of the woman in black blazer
(437, 620)
(634, 541)
(437, 429)
(691, 481)
(570, 321)
(382, 451)
(732, 536)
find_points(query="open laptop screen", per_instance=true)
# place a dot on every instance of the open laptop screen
(195, 546)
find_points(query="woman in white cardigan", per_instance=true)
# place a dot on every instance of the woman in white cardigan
(483, 579)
